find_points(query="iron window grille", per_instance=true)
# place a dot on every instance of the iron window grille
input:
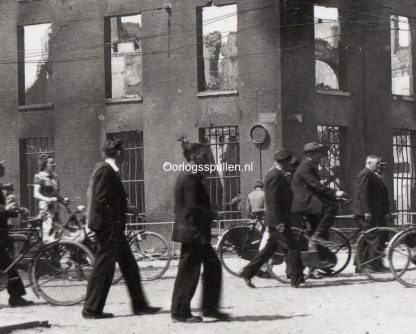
(330, 167)
(30, 151)
(223, 143)
(404, 179)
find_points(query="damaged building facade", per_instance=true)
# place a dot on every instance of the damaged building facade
(74, 73)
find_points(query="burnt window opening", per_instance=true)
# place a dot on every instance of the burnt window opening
(132, 170)
(123, 56)
(30, 149)
(217, 52)
(404, 178)
(401, 56)
(34, 65)
(333, 137)
(223, 145)
(327, 30)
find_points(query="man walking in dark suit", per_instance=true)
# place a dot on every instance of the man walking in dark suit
(193, 218)
(311, 197)
(278, 212)
(372, 209)
(107, 208)
(15, 286)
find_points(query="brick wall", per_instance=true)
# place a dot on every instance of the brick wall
(276, 75)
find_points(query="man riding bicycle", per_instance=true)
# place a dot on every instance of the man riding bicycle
(313, 199)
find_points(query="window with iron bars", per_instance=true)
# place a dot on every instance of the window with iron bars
(404, 178)
(132, 171)
(330, 167)
(223, 143)
(30, 150)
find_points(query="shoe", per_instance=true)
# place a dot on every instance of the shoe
(299, 283)
(313, 274)
(147, 310)
(248, 282)
(413, 259)
(188, 319)
(358, 270)
(95, 315)
(19, 301)
(216, 314)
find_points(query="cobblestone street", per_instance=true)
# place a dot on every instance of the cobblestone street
(346, 304)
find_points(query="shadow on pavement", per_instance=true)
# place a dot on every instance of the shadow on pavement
(252, 318)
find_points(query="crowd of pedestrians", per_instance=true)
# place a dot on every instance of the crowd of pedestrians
(290, 187)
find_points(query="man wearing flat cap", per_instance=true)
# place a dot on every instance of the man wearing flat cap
(278, 204)
(311, 198)
(372, 209)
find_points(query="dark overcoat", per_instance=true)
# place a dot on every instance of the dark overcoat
(107, 199)
(309, 194)
(278, 198)
(193, 214)
(371, 195)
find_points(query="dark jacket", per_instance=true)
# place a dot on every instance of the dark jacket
(278, 198)
(107, 199)
(371, 194)
(309, 195)
(193, 215)
(4, 216)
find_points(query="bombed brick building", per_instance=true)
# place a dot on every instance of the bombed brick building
(74, 72)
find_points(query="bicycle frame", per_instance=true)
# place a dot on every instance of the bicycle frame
(28, 233)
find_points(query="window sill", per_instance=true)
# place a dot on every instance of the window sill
(332, 92)
(404, 98)
(29, 107)
(124, 100)
(218, 93)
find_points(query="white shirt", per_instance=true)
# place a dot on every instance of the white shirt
(112, 163)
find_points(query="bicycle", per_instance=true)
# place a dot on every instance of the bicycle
(402, 256)
(239, 244)
(340, 247)
(58, 272)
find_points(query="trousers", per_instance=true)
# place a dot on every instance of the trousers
(15, 287)
(112, 247)
(277, 240)
(186, 282)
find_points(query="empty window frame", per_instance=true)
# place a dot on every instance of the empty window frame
(404, 178)
(223, 145)
(217, 52)
(30, 150)
(34, 66)
(327, 29)
(401, 56)
(330, 167)
(132, 170)
(123, 56)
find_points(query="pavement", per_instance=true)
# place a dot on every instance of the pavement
(348, 303)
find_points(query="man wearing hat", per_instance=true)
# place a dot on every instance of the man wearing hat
(278, 203)
(311, 198)
(372, 208)
(15, 286)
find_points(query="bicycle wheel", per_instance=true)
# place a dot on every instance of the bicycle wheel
(341, 247)
(371, 256)
(237, 247)
(152, 254)
(402, 257)
(60, 272)
(276, 266)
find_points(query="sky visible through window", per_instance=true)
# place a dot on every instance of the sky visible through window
(36, 50)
